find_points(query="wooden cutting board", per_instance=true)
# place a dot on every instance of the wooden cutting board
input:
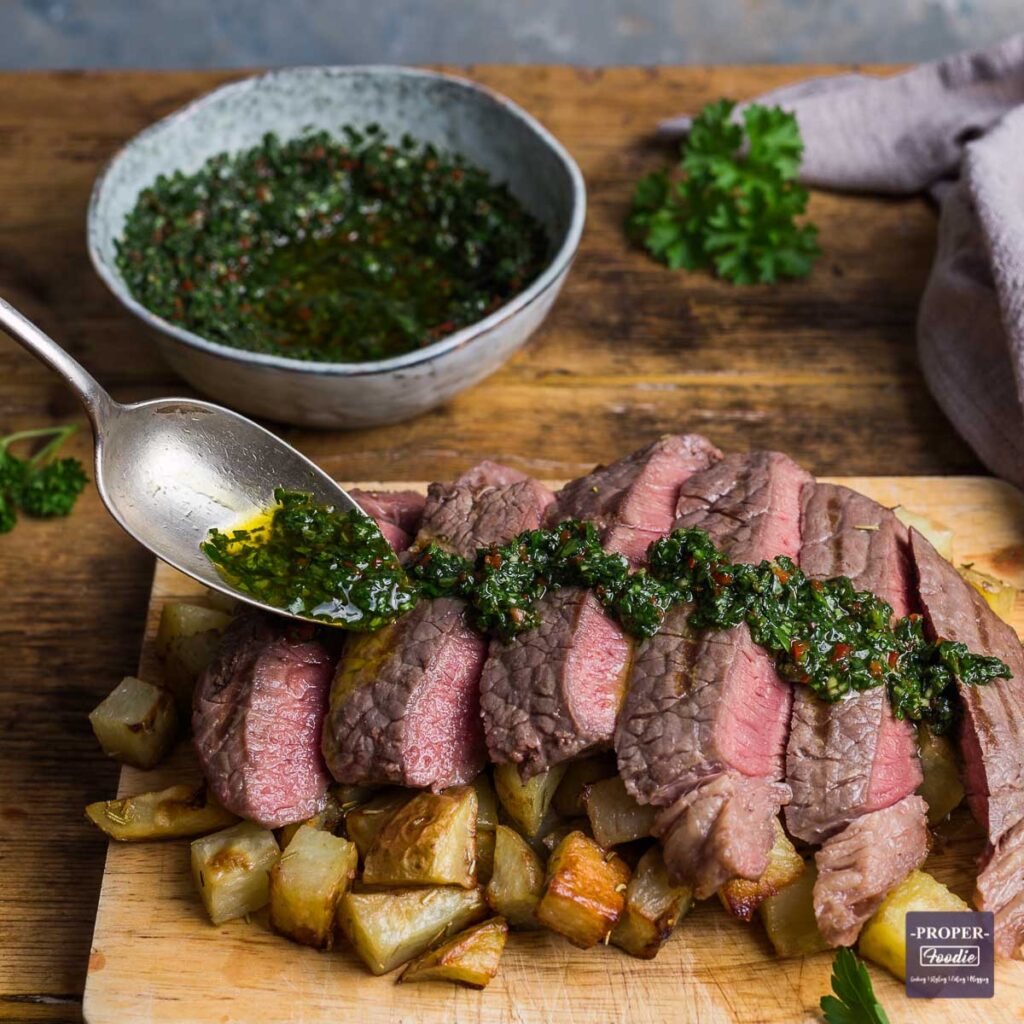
(156, 958)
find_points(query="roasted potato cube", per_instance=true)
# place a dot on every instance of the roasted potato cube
(363, 823)
(186, 642)
(517, 879)
(471, 957)
(584, 892)
(884, 938)
(485, 843)
(653, 908)
(999, 595)
(789, 917)
(307, 883)
(941, 787)
(327, 820)
(168, 814)
(526, 803)
(388, 928)
(568, 800)
(939, 537)
(231, 870)
(615, 817)
(486, 803)
(136, 724)
(429, 841)
(742, 896)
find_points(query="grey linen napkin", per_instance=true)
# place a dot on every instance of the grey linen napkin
(955, 128)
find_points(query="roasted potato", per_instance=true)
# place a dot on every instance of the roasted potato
(584, 891)
(554, 830)
(1000, 596)
(789, 919)
(137, 723)
(568, 800)
(231, 870)
(186, 642)
(429, 841)
(180, 811)
(517, 879)
(307, 883)
(471, 957)
(486, 803)
(941, 539)
(485, 843)
(941, 787)
(615, 817)
(742, 896)
(526, 803)
(363, 822)
(653, 908)
(884, 938)
(391, 927)
(327, 820)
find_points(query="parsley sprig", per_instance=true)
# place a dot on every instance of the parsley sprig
(40, 486)
(732, 204)
(854, 1001)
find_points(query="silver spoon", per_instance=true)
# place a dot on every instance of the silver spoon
(171, 469)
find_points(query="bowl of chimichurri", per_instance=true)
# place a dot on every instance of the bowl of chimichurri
(339, 247)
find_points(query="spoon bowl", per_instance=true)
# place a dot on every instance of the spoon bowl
(171, 469)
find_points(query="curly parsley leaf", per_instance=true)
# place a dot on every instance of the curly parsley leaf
(40, 486)
(732, 204)
(854, 1001)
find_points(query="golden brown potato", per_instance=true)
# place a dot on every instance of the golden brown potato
(568, 800)
(486, 803)
(471, 957)
(173, 813)
(653, 908)
(391, 927)
(517, 879)
(327, 820)
(231, 870)
(789, 919)
(364, 821)
(307, 883)
(186, 642)
(940, 787)
(742, 896)
(615, 817)
(137, 723)
(485, 843)
(429, 841)
(526, 803)
(584, 891)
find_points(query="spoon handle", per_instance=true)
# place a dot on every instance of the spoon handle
(98, 404)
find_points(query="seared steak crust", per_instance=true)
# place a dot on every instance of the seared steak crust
(258, 711)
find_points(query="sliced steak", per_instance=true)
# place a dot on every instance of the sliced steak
(555, 691)
(1000, 888)
(706, 707)
(398, 513)
(405, 703)
(857, 867)
(257, 716)
(855, 756)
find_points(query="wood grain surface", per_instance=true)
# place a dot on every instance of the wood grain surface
(824, 369)
(157, 960)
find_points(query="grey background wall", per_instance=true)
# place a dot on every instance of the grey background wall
(229, 33)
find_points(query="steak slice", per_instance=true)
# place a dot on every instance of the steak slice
(1000, 888)
(257, 714)
(405, 702)
(555, 692)
(992, 730)
(857, 867)
(854, 756)
(705, 708)
(397, 513)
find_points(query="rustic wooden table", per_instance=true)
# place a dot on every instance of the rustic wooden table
(824, 369)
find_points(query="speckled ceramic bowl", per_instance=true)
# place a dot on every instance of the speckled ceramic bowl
(455, 114)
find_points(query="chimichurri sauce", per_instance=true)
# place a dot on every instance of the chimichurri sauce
(341, 250)
(823, 634)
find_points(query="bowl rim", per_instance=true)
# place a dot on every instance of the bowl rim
(557, 265)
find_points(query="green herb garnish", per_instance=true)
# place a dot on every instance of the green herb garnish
(40, 486)
(732, 205)
(331, 249)
(854, 1001)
